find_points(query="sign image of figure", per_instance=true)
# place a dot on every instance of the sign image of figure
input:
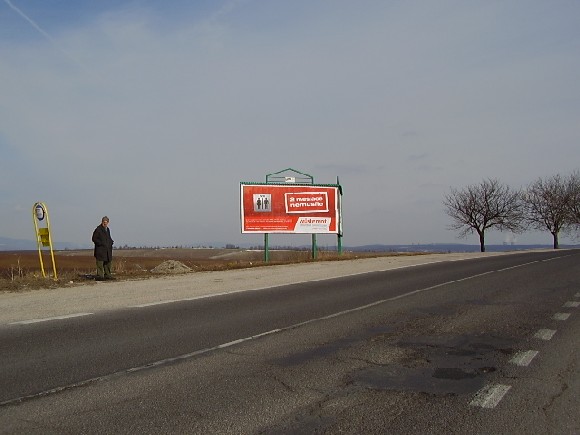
(262, 202)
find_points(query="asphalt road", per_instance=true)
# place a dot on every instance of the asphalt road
(478, 346)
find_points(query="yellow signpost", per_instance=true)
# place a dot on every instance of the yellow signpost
(43, 237)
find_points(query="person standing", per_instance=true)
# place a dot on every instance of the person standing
(103, 249)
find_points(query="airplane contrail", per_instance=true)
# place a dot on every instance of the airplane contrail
(30, 21)
(46, 35)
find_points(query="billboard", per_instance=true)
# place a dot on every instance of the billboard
(282, 208)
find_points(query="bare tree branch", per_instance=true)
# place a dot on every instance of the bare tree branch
(574, 205)
(548, 203)
(573, 225)
(480, 207)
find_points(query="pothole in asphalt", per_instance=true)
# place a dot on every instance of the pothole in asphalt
(424, 380)
(457, 374)
(439, 365)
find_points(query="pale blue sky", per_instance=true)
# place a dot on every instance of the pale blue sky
(152, 112)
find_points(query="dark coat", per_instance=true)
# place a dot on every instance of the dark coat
(103, 244)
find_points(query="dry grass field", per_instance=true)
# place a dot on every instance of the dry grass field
(21, 271)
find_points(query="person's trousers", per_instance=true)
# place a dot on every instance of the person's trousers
(103, 268)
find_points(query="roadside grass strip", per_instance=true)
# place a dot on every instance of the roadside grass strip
(490, 395)
(561, 316)
(545, 334)
(524, 358)
(572, 304)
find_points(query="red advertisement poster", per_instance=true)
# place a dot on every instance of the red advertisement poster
(275, 208)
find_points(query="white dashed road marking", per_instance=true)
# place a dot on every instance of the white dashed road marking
(545, 334)
(490, 396)
(524, 358)
(561, 316)
(572, 304)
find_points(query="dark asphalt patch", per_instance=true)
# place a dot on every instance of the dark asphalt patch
(439, 365)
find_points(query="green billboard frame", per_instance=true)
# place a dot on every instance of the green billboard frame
(294, 177)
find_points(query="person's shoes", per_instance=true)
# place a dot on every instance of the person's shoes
(109, 277)
(99, 278)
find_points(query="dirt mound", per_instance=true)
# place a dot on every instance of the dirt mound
(171, 266)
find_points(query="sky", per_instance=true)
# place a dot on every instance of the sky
(152, 112)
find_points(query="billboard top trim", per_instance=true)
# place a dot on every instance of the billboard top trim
(255, 183)
(289, 175)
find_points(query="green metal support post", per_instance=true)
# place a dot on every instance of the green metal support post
(314, 247)
(339, 235)
(266, 249)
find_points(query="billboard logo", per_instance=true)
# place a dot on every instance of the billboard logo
(312, 225)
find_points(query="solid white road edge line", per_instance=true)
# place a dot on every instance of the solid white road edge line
(152, 304)
(519, 265)
(131, 370)
(48, 319)
(476, 276)
(204, 351)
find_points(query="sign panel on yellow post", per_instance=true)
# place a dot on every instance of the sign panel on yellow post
(43, 237)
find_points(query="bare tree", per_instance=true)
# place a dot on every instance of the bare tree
(573, 227)
(574, 206)
(479, 207)
(548, 202)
